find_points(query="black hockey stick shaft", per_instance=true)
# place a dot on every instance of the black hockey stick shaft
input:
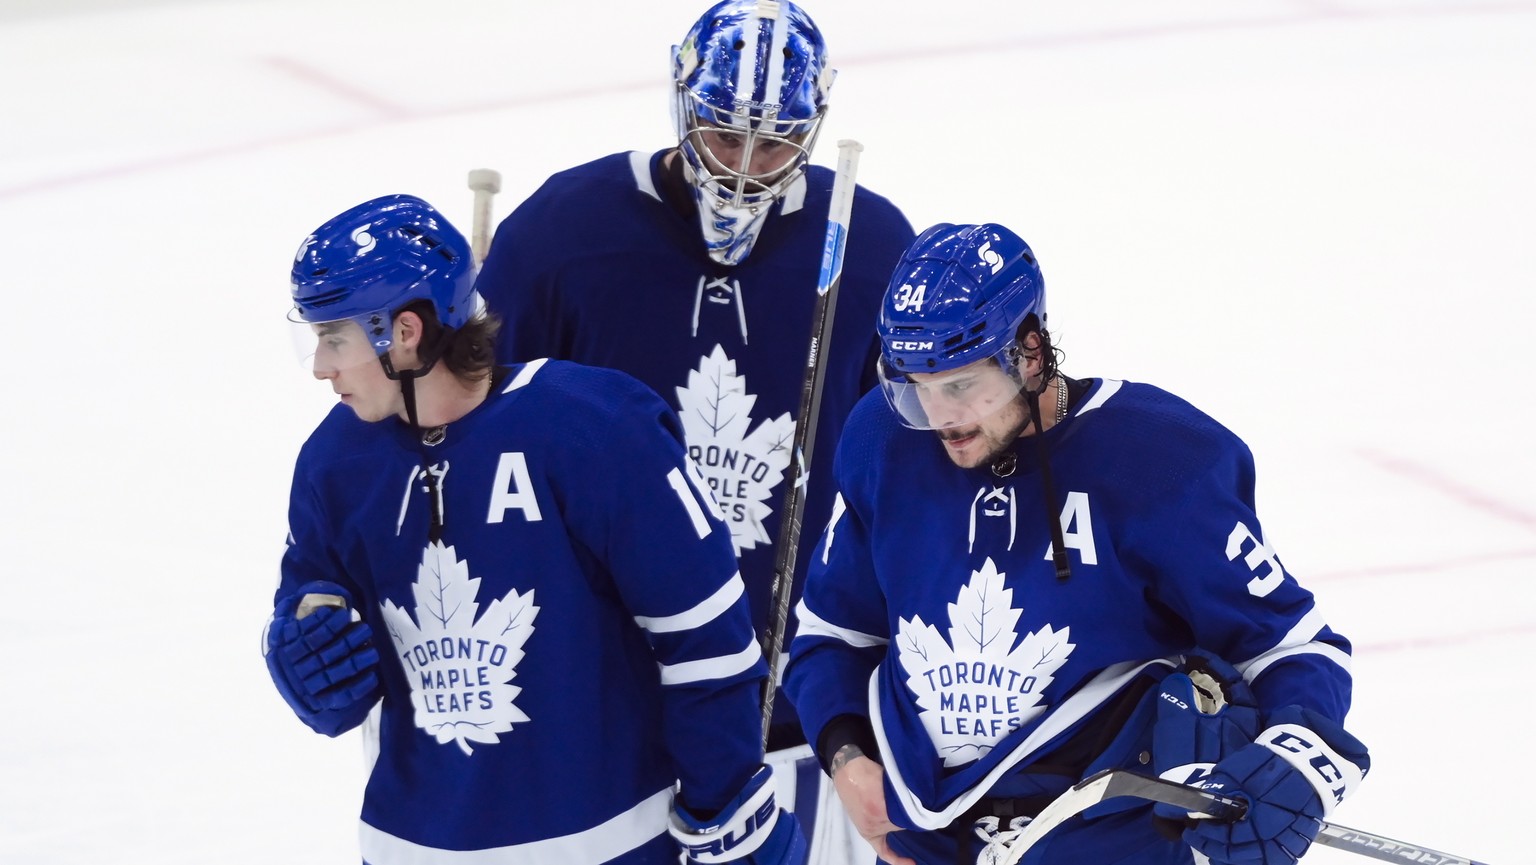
(792, 512)
(1114, 783)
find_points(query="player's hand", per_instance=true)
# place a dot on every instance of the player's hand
(860, 783)
(1204, 713)
(322, 661)
(1291, 777)
(751, 830)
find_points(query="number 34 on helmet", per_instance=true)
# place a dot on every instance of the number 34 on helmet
(959, 295)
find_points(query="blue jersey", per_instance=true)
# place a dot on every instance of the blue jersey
(575, 642)
(597, 266)
(933, 607)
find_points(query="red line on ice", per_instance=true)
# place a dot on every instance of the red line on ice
(1310, 14)
(1467, 495)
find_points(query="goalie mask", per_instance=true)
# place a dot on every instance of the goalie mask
(952, 313)
(354, 272)
(751, 90)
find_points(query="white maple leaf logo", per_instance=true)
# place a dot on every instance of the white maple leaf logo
(459, 665)
(742, 467)
(977, 687)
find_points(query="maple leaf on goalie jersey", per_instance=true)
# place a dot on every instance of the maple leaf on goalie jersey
(977, 687)
(742, 467)
(459, 665)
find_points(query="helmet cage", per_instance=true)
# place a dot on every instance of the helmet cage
(726, 177)
(750, 74)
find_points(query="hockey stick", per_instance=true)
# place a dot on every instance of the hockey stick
(1114, 783)
(485, 182)
(793, 511)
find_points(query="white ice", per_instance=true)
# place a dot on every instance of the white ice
(1313, 218)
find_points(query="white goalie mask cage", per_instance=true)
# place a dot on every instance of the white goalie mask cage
(751, 85)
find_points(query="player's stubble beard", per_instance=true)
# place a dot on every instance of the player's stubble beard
(989, 445)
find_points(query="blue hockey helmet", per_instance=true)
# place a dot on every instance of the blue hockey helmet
(751, 82)
(367, 263)
(959, 295)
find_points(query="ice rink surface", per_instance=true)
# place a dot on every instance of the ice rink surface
(1312, 218)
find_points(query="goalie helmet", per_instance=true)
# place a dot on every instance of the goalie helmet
(367, 263)
(751, 81)
(959, 295)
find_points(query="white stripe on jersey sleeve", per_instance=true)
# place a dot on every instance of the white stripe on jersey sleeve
(702, 613)
(1300, 641)
(705, 669)
(812, 625)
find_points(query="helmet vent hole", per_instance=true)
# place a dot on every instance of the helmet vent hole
(320, 271)
(962, 348)
(738, 45)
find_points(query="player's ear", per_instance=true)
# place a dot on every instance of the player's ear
(408, 335)
(408, 329)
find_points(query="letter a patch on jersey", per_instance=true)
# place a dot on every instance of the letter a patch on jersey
(977, 687)
(460, 666)
(1077, 529)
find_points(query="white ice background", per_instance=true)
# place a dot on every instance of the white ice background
(1312, 218)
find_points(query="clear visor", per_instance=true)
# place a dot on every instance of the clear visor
(956, 398)
(334, 346)
(747, 161)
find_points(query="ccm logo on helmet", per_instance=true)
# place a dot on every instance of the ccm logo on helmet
(910, 345)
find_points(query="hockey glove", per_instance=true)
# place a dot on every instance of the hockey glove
(1291, 777)
(751, 830)
(1204, 713)
(323, 663)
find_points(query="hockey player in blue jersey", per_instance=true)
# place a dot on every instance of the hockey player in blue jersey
(1029, 578)
(694, 269)
(513, 573)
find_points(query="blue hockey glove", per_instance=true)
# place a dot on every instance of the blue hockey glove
(323, 663)
(1292, 776)
(751, 830)
(1204, 713)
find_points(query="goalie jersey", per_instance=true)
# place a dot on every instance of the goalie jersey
(601, 265)
(575, 642)
(933, 608)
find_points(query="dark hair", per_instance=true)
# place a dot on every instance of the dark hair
(1051, 355)
(469, 352)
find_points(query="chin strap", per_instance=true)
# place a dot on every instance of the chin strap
(1047, 484)
(407, 379)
